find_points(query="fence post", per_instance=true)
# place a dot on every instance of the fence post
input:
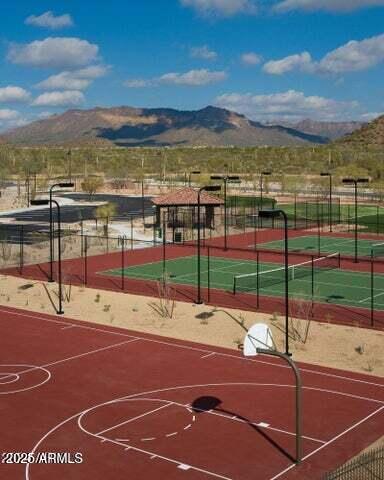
(257, 280)
(81, 238)
(21, 265)
(131, 232)
(122, 263)
(209, 272)
(312, 284)
(377, 219)
(372, 289)
(85, 260)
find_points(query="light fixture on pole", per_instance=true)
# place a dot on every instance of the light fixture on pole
(207, 188)
(194, 172)
(47, 202)
(330, 216)
(226, 179)
(51, 246)
(355, 182)
(262, 175)
(275, 214)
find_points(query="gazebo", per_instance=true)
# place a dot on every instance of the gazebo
(186, 199)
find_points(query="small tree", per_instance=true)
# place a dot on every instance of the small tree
(105, 212)
(91, 185)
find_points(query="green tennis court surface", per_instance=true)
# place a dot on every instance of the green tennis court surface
(328, 244)
(331, 285)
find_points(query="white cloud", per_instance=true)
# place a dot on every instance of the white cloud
(73, 80)
(291, 105)
(224, 8)
(371, 116)
(48, 20)
(69, 98)
(326, 5)
(92, 71)
(351, 57)
(64, 81)
(203, 52)
(301, 61)
(54, 52)
(13, 94)
(43, 115)
(6, 114)
(10, 119)
(193, 77)
(137, 83)
(354, 56)
(251, 58)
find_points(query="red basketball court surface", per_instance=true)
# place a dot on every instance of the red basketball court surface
(144, 407)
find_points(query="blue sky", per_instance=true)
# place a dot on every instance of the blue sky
(272, 60)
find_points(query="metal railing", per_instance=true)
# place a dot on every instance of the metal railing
(367, 466)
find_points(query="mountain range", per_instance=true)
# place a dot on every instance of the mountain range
(369, 134)
(157, 127)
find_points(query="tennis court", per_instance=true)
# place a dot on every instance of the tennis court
(324, 243)
(329, 283)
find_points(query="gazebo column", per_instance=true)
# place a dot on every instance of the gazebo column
(158, 216)
(209, 216)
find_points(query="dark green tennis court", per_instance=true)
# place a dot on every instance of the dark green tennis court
(328, 244)
(331, 285)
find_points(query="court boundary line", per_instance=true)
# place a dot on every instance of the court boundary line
(173, 343)
(331, 441)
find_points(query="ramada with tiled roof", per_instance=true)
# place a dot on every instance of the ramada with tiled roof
(187, 197)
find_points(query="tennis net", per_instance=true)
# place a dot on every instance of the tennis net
(253, 282)
(378, 250)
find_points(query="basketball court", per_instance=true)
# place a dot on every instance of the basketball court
(140, 406)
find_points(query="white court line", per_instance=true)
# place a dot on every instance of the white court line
(68, 327)
(208, 355)
(255, 424)
(330, 441)
(170, 460)
(369, 298)
(91, 352)
(57, 362)
(79, 416)
(133, 419)
(201, 350)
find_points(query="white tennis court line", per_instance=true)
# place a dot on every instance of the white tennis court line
(131, 274)
(330, 442)
(274, 244)
(195, 349)
(369, 298)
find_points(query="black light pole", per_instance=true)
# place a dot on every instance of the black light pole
(195, 172)
(355, 182)
(329, 175)
(69, 153)
(262, 174)
(47, 202)
(142, 201)
(225, 179)
(207, 188)
(275, 214)
(51, 251)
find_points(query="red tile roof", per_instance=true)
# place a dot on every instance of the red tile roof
(187, 196)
